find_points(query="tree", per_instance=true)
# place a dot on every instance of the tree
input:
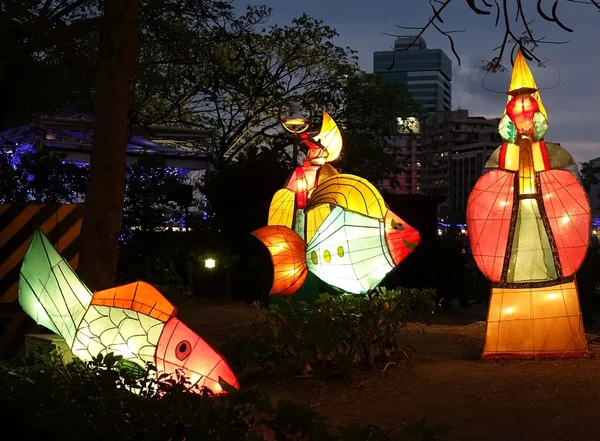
(47, 54)
(515, 19)
(589, 174)
(149, 184)
(254, 78)
(117, 56)
(29, 176)
(367, 111)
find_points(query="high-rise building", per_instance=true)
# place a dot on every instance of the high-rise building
(444, 135)
(409, 180)
(468, 162)
(426, 73)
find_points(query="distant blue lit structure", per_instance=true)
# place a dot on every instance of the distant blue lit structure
(70, 135)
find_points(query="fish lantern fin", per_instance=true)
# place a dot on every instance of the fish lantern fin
(288, 254)
(50, 292)
(522, 78)
(314, 218)
(350, 192)
(282, 208)
(139, 297)
(330, 137)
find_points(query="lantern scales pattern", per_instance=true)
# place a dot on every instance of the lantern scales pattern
(529, 223)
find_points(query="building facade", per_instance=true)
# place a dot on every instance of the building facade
(445, 134)
(426, 73)
(468, 162)
(409, 181)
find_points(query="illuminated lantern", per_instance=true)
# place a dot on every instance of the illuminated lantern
(134, 320)
(529, 224)
(335, 225)
(354, 243)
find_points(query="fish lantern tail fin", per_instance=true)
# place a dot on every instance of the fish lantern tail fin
(50, 292)
(288, 254)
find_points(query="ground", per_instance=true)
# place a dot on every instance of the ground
(445, 382)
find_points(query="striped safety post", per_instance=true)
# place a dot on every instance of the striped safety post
(62, 224)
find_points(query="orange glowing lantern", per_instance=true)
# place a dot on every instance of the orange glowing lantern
(529, 227)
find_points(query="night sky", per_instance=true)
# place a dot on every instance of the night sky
(573, 107)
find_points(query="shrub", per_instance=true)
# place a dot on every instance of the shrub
(44, 398)
(330, 336)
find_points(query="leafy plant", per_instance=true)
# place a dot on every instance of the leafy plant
(93, 401)
(332, 335)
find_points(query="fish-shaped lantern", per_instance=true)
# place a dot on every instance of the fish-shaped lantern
(134, 321)
(529, 227)
(335, 225)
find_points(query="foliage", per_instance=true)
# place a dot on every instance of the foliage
(92, 401)
(30, 176)
(148, 192)
(332, 335)
(589, 174)
(368, 111)
(245, 186)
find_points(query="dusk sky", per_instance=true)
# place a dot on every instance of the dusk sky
(573, 107)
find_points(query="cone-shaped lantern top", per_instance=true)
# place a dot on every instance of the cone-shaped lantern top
(522, 82)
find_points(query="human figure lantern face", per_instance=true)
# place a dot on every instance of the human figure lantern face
(521, 110)
(523, 117)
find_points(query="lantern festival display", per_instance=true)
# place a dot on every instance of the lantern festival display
(134, 320)
(335, 225)
(529, 227)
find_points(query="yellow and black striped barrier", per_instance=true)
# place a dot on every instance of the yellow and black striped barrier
(62, 224)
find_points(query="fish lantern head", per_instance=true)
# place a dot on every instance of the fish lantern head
(400, 237)
(181, 351)
(523, 117)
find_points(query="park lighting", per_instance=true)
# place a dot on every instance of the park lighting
(210, 263)
(294, 122)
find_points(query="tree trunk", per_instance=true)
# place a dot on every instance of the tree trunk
(118, 51)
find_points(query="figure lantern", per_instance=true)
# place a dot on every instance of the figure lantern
(529, 225)
(134, 320)
(336, 226)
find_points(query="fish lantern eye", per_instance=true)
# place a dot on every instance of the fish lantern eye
(397, 226)
(521, 110)
(183, 349)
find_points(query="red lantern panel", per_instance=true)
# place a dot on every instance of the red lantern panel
(488, 217)
(569, 216)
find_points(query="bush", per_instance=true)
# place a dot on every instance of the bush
(330, 336)
(44, 398)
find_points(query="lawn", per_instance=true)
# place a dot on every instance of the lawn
(444, 382)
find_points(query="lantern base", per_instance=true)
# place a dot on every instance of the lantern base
(536, 323)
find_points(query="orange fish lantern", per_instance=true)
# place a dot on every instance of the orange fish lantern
(336, 226)
(529, 223)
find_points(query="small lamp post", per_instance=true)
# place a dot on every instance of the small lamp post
(295, 123)
(210, 263)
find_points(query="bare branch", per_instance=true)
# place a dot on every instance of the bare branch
(513, 38)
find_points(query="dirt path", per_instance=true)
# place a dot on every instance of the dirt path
(445, 382)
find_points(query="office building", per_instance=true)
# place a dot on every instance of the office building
(409, 180)
(468, 162)
(426, 73)
(446, 134)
